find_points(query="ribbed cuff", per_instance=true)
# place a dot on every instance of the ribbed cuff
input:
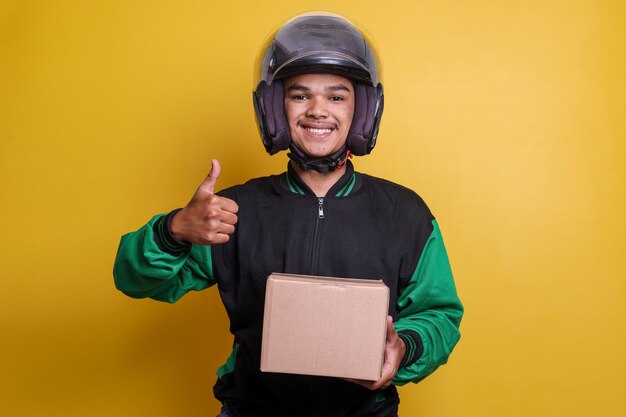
(163, 236)
(414, 347)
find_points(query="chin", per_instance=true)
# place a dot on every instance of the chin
(318, 155)
(317, 151)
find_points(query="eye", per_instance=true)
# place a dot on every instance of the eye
(299, 97)
(336, 98)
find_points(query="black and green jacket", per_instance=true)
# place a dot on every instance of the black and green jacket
(365, 227)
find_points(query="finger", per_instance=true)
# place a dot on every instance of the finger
(224, 228)
(208, 185)
(222, 203)
(221, 209)
(218, 238)
(382, 383)
(229, 205)
(226, 217)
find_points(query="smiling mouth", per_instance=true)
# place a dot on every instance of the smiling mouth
(317, 131)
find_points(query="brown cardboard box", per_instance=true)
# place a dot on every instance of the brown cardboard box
(324, 326)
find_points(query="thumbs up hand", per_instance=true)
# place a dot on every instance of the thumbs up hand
(207, 219)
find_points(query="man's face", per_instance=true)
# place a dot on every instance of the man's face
(319, 110)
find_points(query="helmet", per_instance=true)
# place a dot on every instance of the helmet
(318, 43)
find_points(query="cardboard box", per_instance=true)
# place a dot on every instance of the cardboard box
(324, 326)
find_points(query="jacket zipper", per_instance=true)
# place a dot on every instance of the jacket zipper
(320, 210)
(313, 271)
(316, 233)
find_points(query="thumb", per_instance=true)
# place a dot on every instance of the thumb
(208, 185)
(391, 329)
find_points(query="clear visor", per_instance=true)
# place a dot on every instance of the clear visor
(317, 42)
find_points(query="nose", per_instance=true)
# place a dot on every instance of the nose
(318, 108)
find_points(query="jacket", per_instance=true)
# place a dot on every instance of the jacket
(365, 227)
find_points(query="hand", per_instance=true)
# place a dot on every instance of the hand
(394, 353)
(207, 219)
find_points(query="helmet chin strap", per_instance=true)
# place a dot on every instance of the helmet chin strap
(321, 165)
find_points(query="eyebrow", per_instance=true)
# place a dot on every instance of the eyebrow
(300, 87)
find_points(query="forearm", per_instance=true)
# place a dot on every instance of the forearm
(148, 265)
(430, 339)
(429, 314)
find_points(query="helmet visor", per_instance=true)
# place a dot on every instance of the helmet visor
(318, 42)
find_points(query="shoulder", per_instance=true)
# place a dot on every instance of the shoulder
(403, 198)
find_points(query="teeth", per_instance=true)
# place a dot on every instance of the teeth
(318, 131)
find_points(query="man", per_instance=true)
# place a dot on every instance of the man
(319, 96)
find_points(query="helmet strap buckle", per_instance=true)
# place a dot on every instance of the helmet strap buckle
(321, 165)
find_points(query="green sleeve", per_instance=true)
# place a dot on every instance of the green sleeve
(429, 313)
(146, 267)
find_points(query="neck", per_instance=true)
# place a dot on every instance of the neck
(318, 182)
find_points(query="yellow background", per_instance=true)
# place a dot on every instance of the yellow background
(506, 116)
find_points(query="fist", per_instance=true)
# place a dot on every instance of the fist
(207, 219)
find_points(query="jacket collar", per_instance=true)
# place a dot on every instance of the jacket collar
(349, 183)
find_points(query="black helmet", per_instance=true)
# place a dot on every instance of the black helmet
(318, 43)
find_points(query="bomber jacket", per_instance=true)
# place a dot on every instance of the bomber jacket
(365, 227)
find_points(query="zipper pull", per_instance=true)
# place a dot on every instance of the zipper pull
(320, 211)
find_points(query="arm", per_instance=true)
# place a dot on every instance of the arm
(149, 263)
(395, 350)
(429, 313)
(171, 255)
